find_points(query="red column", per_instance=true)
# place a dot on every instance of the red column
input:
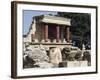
(57, 33)
(68, 34)
(32, 37)
(70, 37)
(46, 32)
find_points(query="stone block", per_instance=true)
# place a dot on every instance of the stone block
(77, 63)
(73, 64)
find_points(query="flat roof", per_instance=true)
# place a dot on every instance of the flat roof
(54, 20)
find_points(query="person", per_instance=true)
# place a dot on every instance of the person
(74, 43)
(83, 47)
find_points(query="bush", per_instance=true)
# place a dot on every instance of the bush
(78, 55)
(65, 53)
(87, 56)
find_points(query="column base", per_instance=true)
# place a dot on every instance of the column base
(35, 41)
(46, 41)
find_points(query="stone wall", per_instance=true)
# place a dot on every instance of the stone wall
(39, 34)
(37, 29)
(73, 64)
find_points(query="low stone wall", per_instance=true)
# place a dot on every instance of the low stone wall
(73, 64)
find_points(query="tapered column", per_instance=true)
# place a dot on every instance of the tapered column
(68, 34)
(70, 37)
(57, 33)
(62, 33)
(32, 37)
(46, 32)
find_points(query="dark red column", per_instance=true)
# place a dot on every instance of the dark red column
(46, 32)
(57, 33)
(32, 37)
(68, 34)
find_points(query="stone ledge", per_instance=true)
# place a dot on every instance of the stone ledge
(73, 64)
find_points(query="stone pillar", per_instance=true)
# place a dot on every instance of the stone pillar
(62, 33)
(32, 37)
(68, 34)
(46, 32)
(57, 33)
(70, 37)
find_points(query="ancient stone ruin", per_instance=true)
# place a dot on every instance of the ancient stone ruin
(48, 44)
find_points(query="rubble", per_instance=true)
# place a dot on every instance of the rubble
(36, 57)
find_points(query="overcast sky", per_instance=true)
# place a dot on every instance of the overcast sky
(27, 17)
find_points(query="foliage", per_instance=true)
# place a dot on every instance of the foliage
(87, 56)
(78, 55)
(80, 28)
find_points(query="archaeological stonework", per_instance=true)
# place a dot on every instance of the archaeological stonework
(42, 27)
(48, 44)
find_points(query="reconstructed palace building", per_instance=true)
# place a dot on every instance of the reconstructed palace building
(51, 30)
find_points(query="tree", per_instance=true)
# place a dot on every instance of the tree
(81, 28)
